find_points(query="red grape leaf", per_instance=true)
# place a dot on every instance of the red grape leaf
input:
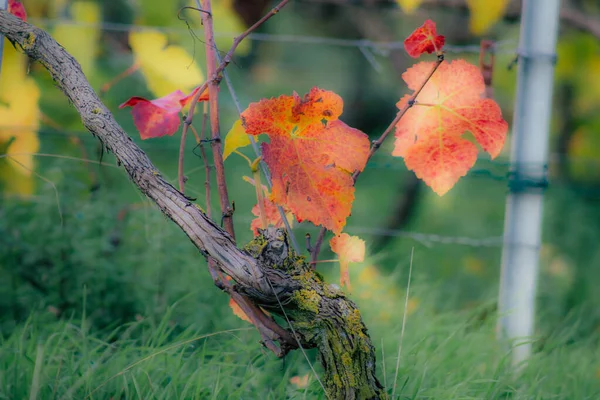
(349, 249)
(429, 136)
(17, 9)
(311, 154)
(424, 39)
(160, 117)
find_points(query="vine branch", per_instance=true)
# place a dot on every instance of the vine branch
(215, 129)
(216, 77)
(269, 330)
(267, 272)
(200, 143)
(211, 240)
(263, 166)
(214, 73)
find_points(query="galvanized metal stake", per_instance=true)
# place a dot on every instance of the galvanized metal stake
(523, 220)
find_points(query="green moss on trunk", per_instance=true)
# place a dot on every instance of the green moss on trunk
(323, 317)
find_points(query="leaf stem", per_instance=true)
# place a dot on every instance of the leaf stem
(263, 165)
(107, 86)
(212, 84)
(377, 144)
(180, 177)
(245, 157)
(260, 198)
(216, 75)
(200, 143)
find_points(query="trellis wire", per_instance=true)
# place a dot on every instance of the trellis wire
(382, 48)
(363, 45)
(428, 238)
(382, 161)
(379, 162)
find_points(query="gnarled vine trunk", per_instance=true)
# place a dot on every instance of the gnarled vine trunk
(320, 314)
(267, 270)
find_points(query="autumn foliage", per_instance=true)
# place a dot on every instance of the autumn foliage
(424, 40)
(349, 249)
(16, 8)
(160, 117)
(430, 135)
(312, 155)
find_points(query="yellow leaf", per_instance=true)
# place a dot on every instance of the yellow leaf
(578, 63)
(44, 8)
(575, 51)
(166, 68)
(589, 90)
(81, 39)
(484, 14)
(17, 174)
(19, 121)
(349, 249)
(236, 138)
(19, 152)
(409, 6)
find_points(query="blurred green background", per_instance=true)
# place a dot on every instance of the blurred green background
(102, 296)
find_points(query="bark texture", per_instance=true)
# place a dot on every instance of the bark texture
(266, 270)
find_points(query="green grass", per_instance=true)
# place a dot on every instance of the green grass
(93, 307)
(443, 357)
(140, 317)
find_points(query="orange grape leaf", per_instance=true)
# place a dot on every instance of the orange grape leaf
(159, 117)
(271, 211)
(429, 136)
(16, 8)
(311, 154)
(424, 39)
(349, 249)
(237, 310)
